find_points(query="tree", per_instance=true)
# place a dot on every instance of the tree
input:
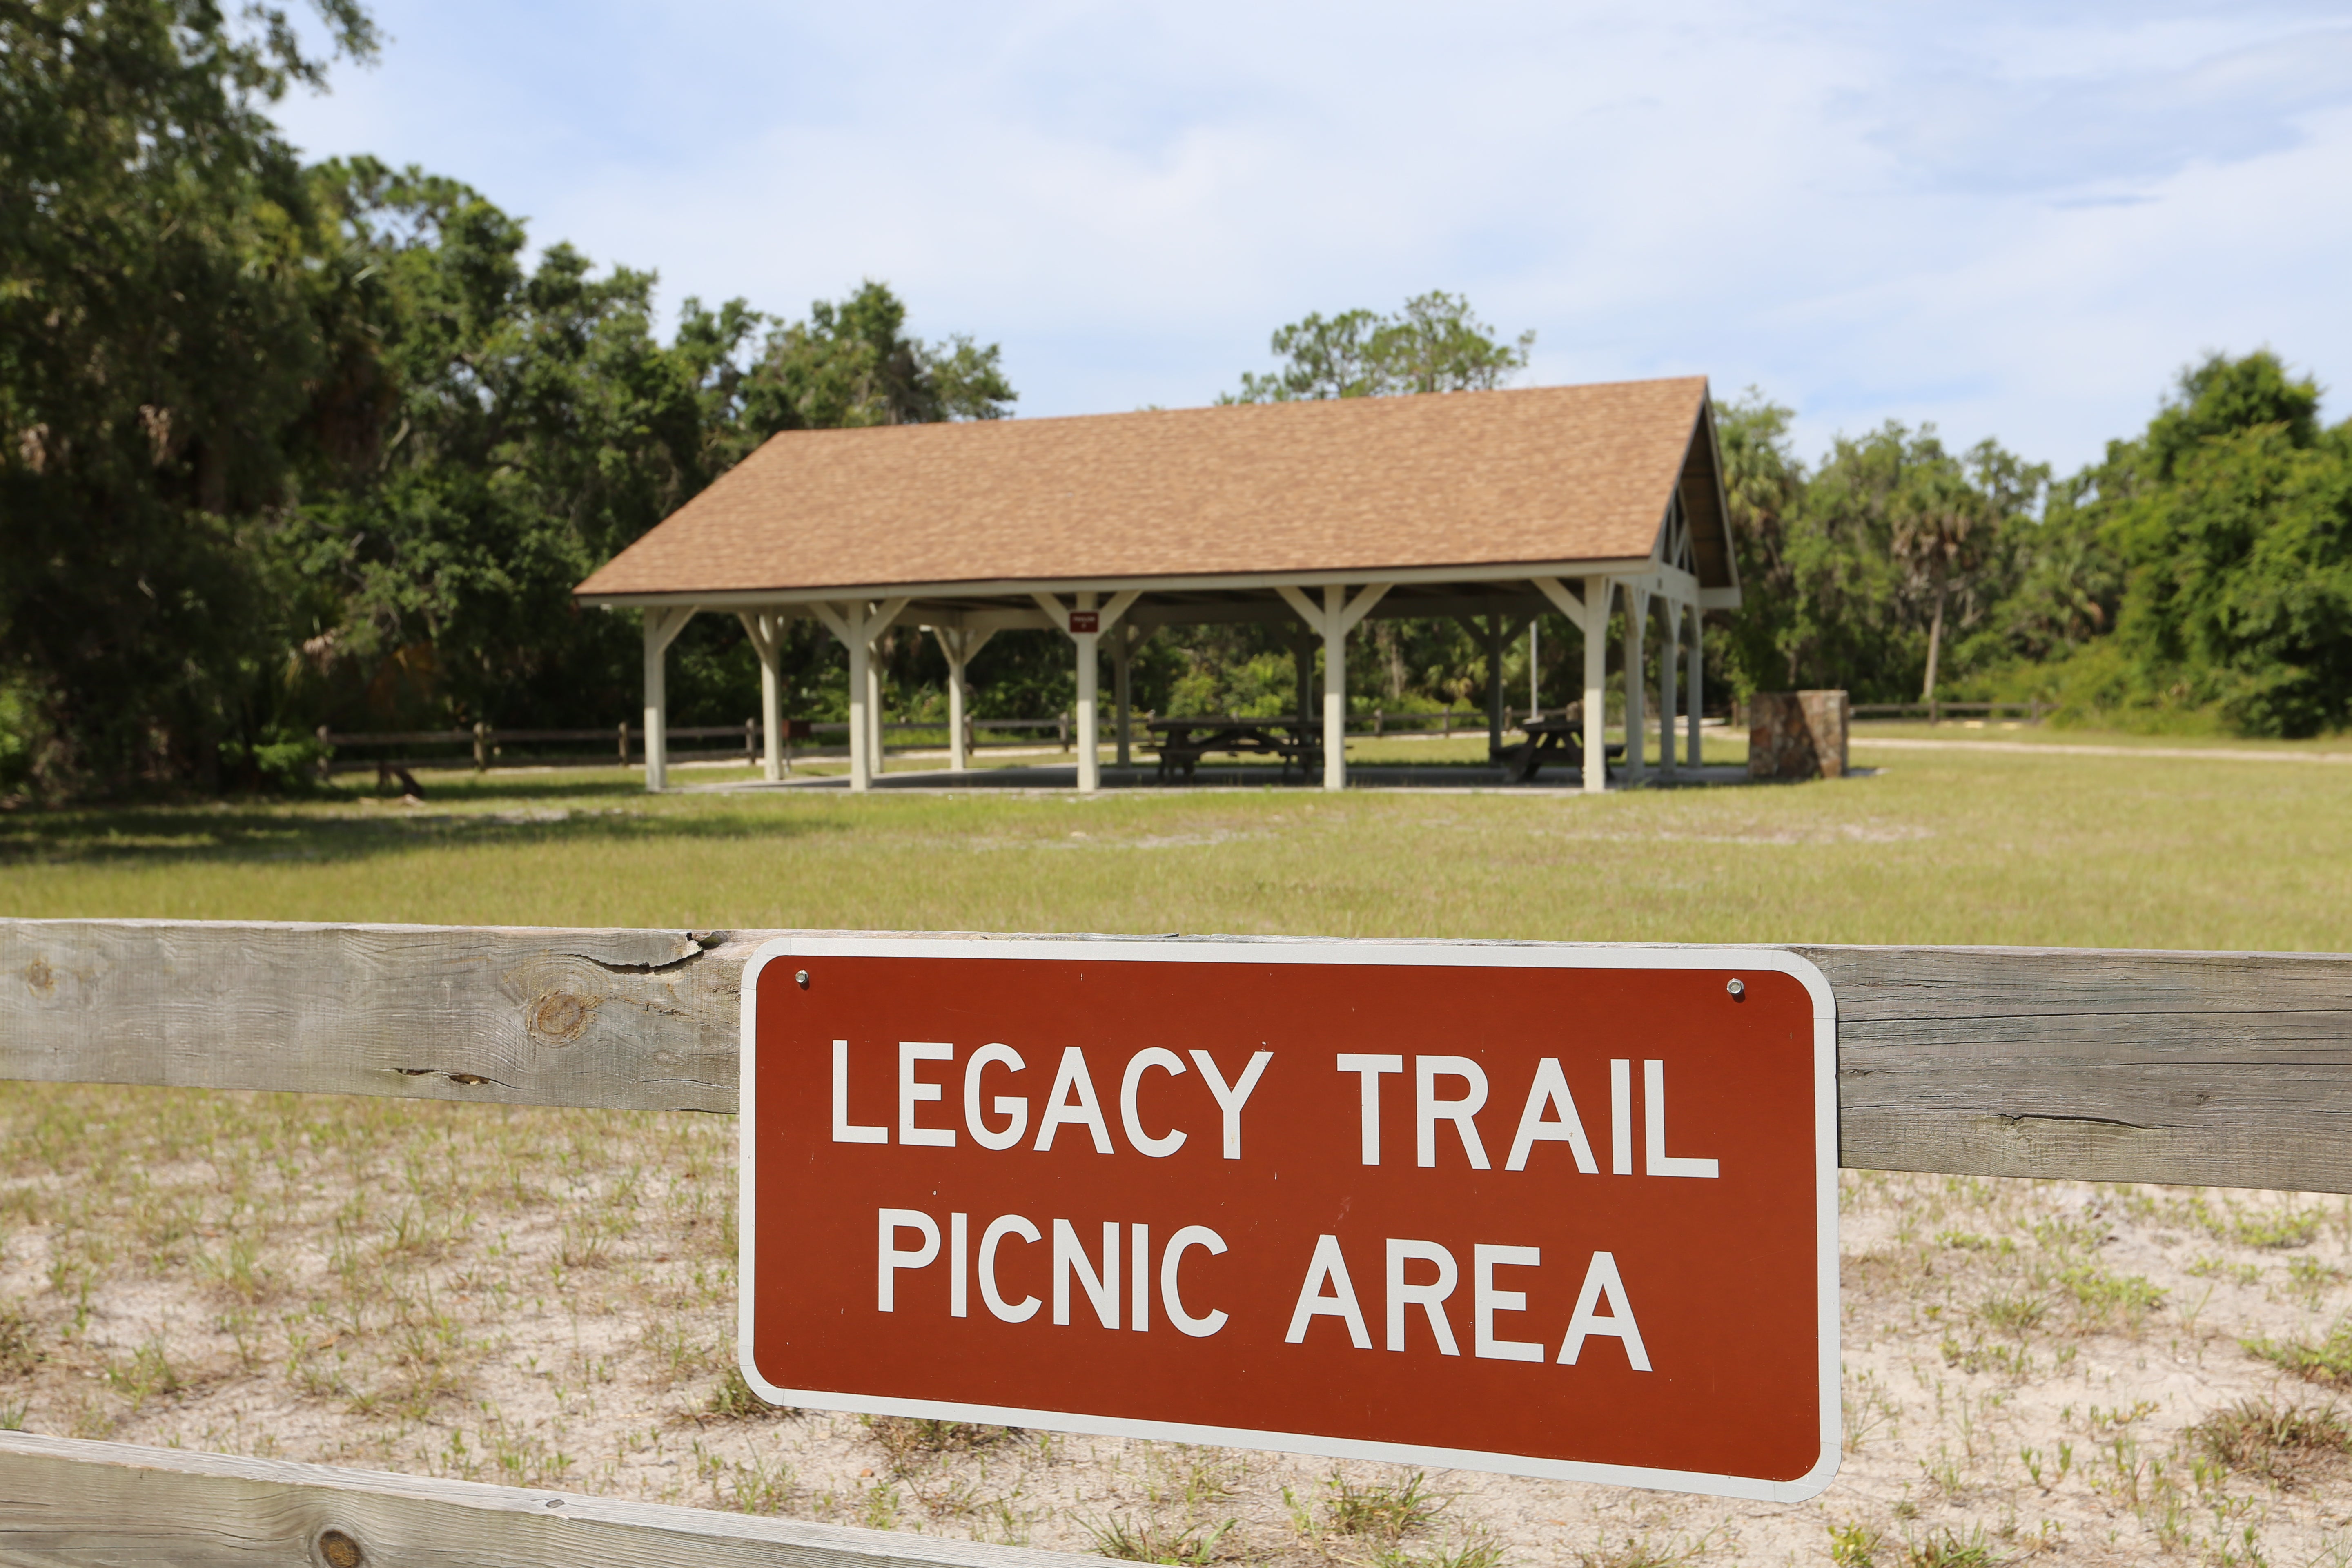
(852, 364)
(1435, 344)
(165, 302)
(1897, 540)
(1764, 487)
(2238, 544)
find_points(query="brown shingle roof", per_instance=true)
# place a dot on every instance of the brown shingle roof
(1541, 474)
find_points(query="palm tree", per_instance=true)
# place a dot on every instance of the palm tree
(1942, 524)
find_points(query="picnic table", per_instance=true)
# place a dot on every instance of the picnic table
(1555, 739)
(1183, 743)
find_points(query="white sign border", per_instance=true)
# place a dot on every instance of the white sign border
(1729, 961)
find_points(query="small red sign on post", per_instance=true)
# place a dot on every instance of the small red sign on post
(1554, 1211)
(1084, 621)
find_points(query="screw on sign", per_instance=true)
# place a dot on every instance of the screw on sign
(1556, 1210)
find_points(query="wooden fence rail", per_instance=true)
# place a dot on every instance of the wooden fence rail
(2224, 1070)
(64, 1501)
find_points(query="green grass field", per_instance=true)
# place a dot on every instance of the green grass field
(1946, 846)
(546, 1298)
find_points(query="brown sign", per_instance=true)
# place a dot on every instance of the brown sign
(1549, 1210)
(1084, 621)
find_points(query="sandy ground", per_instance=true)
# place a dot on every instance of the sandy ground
(539, 1298)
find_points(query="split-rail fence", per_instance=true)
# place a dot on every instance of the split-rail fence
(2202, 1068)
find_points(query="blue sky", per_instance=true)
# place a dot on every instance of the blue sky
(2013, 220)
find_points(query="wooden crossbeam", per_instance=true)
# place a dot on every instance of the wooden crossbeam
(2223, 1069)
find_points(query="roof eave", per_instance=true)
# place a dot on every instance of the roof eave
(1016, 588)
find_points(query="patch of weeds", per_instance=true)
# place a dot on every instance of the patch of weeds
(2280, 1230)
(2282, 1444)
(734, 1399)
(1476, 1552)
(2329, 1362)
(521, 1460)
(1149, 1542)
(2246, 1274)
(2105, 1299)
(2016, 1316)
(19, 1355)
(755, 1488)
(2096, 1420)
(2310, 1278)
(1969, 1241)
(1950, 1549)
(146, 1375)
(1375, 1510)
(1977, 1355)
(906, 1441)
(1854, 1546)
(1868, 1407)
(1634, 1552)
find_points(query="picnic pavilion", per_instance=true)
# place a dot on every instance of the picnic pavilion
(1106, 528)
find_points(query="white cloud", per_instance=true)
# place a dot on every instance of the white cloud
(2012, 224)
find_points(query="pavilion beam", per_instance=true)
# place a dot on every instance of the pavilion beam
(662, 625)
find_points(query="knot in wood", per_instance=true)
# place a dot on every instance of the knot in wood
(40, 978)
(561, 1016)
(340, 1549)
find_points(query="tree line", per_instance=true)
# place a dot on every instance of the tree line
(2198, 576)
(285, 444)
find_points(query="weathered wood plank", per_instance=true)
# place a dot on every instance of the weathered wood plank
(633, 1019)
(2212, 1068)
(69, 1502)
(2206, 1068)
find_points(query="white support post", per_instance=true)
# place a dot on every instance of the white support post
(1697, 670)
(663, 623)
(1335, 686)
(766, 632)
(861, 660)
(1089, 678)
(1089, 645)
(959, 646)
(1595, 626)
(874, 704)
(1123, 644)
(857, 623)
(1535, 678)
(1670, 629)
(951, 644)
(1334, 619)
(1637, 621)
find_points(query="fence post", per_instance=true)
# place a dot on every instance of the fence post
(481, 747)
(625, 742)
(1061, 728)
(750, 739)
(326, 755)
